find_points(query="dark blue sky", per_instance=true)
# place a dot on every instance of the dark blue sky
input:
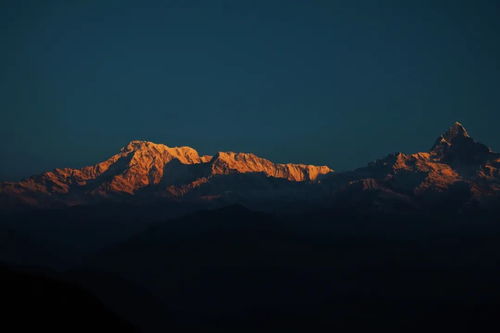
(324, 82)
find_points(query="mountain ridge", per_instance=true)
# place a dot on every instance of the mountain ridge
(456, 169)
(140, 165)
(143, 171)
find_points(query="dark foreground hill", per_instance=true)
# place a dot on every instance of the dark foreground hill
(408, 243)
(234, 269)
(237, 270)
(32, 301)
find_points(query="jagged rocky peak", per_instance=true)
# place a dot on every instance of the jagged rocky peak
(235, 159)
(454, 135)
(140, 144)
(455, 131)
(146, 149)
(146, 167)
(230, 162)
(457, 148)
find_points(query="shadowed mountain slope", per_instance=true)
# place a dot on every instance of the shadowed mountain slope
(456, 171)
(148, 170)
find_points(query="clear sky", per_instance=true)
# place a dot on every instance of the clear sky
(323, 82)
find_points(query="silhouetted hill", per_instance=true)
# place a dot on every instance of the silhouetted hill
(59, 238)
(174, 241)
(33, 301)
(234, 269)
(126, 299)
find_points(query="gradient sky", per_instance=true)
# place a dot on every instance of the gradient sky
(323, 82)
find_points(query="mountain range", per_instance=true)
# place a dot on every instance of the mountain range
(169, 240)
(456, 169)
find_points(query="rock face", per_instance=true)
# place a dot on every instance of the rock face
(229, 162)
(146, 169)
(456, 170)
(456, 148)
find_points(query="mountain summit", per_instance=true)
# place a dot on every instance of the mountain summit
(458, 149)
(456, 168)
(457, 130)
(146, 169)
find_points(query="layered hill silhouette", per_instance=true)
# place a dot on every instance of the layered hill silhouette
(233, 269)
(456, 168)
(172, 240)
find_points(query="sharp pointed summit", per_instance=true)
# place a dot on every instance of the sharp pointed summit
(145, 171)
(455, 133)
(457, 148)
